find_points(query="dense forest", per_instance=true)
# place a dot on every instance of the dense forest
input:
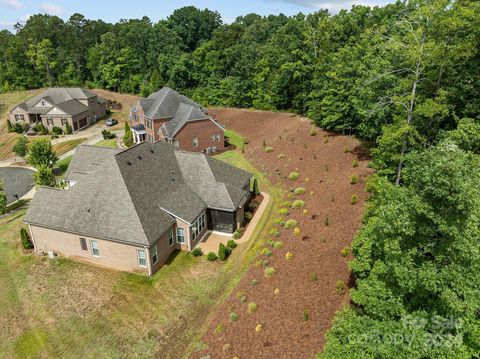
(405, 77)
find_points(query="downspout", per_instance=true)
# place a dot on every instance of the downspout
(149, 267)
(33, 239)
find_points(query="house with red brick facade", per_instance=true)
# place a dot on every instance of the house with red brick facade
(169, 116)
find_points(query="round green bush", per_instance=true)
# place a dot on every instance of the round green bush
(252, 307)
(299, 190)
(283, 211)
(270, 271)
(197, 252)
(353, 179)
(293, 175)
(233, 316)
(278, 245)
(211, 257)
(291, 223)
(298, 204)
(231, 244)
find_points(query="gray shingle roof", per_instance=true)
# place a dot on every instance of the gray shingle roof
(86, 160)
(60, 96)
(169, 104)
(131, 195)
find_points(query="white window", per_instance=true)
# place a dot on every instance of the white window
(19, 118)
(209, 150)
(49, 121)
(213, 137)
(214, 149)
(170, 238)
(198, 225)
(64, 121)
(95, 251)
(195, 142)
(83, 244)
(217, 137)
(154, 254)
(142, 259)
(180, 235)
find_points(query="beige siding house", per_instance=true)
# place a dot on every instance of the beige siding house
(130, 209)
(56, 107)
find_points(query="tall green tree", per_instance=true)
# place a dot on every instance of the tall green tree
(21, 147)
(40, 153)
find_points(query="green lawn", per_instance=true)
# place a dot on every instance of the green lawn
(107, 143)
(63, 308)
(65, 146)
(63, 164)
(235, 139)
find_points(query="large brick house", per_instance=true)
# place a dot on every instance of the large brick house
(56, 107)
(168, 116)
(130, 209)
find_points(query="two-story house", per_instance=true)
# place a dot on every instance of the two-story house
(168, 116)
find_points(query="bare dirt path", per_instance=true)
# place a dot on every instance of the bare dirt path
(296, 305)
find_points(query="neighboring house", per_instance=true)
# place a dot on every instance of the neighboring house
(168, 116)
(130, 209)
(57, 106)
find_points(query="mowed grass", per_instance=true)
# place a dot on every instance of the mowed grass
(65, 146)
(235, 139)
(112, 143)
(63, 164)
(63, 308)
(8, 101)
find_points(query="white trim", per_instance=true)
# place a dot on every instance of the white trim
(170, 213)
(145, 257)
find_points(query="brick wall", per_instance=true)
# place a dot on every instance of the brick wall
(202, 130)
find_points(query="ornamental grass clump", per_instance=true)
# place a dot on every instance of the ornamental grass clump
(313, 131)
(269, 272)
(298, 204)
(293, 175)
(353, 179)
(354, 199)
(290, 224)
(268, 149)
(233, 316)
(278, 245)
(252, 307)
(340, 286)
(299, 190)
(296, 231)
(345, 251)
(288, 256)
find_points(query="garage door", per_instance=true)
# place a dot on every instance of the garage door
(83, 122)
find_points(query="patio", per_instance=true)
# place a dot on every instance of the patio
(211, 239)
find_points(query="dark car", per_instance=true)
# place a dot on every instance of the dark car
(111, 122)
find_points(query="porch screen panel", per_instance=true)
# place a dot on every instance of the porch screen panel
(222, 221)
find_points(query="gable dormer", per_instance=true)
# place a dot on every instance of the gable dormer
(43, 103)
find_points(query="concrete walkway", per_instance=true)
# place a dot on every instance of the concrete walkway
(211, 240)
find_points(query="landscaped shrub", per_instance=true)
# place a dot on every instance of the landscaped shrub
(233, 316)
(243, 299)
(266, 252)
(355, 163)
(278, 245)
(254, 282)
(25, 238)
(325, 140)
(288, 256)
(353, 179)
(274, 232)
(286, 204)
(265, 262)
(107, 135)
(20, 127)
(258, 328)
(248, 216)
(268, 149)
(298, 204)
(270, 271)
(255, 189)
(238, 233)
(9, 126)
(252, 307)
(327, 221)
(281, 156)
(305, 315)
(276, 291)
(41, 129)
(283, 212)
(264, 143)
(354, 199)
(293, 175)
(223, 252)
(197, 252)
(340, 286)
(299, 190)
(56, 130)
(211, 257)
(291, 223)
(347, 149)
(345, 251)
(218, 329)
(296, 231)
(314, 277)
(278, 220)
(313, 131)
(305, 212)
(68, 129)
(231, 244)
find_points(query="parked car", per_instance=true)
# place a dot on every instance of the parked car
(111, 122)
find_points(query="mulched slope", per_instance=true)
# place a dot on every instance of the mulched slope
(316, 251)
